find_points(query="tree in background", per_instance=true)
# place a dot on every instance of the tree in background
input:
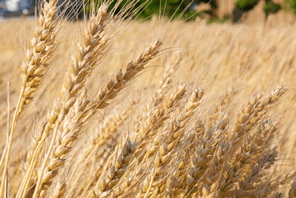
(270, 8)
(290, 5)
(145, 9)
(246, 5)
(241, 7)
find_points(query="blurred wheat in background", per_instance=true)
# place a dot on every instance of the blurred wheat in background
(117, 107)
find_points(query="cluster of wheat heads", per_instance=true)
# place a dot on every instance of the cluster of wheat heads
(175, 146)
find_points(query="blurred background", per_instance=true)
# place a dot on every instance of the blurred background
(213, 11)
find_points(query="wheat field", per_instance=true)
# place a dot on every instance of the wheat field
(127, 108)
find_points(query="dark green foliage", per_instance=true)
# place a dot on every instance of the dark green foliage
(271, 8)
(144, 9)
(216, 20)
(291, 5)
(246, 5)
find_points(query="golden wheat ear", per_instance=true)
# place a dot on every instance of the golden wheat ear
(48, 171)
(104, 137)
(167, 147)
(88, 54)
(34, 68)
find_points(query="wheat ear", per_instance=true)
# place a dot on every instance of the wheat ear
(166, 80)
(254, 112)
(69, 133)
(104, 184)
(247, 157)
(35, 66)
(110, 91)
(213, 177)
(217, 110)
(153, 124)
(99, 170)
(158, 96)
(87, 56)
(115, 85)
(108, 130)
(173, 135)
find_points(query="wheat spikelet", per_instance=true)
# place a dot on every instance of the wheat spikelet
(78, 70)
(35, 66)
(132, 69)
(158, 96)
(108, 130)
(59, 191)
(249, 158)
(181, 173)
(114, 86)
(217, 110)
(81, 67)
(153, 125)
(147, 127)
(69, 133)
(116, 169)
(165, 148)
(157, 114)
(166, 80)
(37, 57)
(103, 157)
(213, 177)
(133, 149)
(253, 113)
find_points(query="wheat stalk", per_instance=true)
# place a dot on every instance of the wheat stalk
(34, 67)
(82, 64)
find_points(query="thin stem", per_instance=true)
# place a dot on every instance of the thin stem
(16, 116)
(8, 129)
(40, 176)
